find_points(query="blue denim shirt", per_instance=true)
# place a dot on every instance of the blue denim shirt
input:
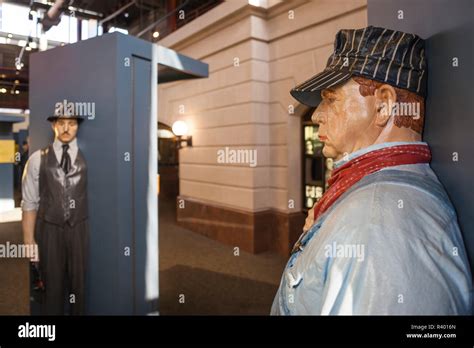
(390, 245)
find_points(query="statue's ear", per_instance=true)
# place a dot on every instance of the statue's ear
(385, 98)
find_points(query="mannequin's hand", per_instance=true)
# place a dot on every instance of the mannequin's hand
(309, 219)
(33, 248)
(35, 257)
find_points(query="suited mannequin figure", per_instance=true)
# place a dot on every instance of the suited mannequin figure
(55, 216)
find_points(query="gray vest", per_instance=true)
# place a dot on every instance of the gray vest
(63, 197)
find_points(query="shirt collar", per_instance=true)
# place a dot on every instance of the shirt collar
(57, 144)
(374, 147)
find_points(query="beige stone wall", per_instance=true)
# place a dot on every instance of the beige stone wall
(247, 106)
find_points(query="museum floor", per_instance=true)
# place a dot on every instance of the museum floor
(212, 280)
(14, 281)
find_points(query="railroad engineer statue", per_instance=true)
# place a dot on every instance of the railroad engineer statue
(384, 237)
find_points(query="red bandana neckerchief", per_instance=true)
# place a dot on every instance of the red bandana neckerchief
(351, 172)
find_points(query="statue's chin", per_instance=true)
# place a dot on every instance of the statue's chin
(329, 152)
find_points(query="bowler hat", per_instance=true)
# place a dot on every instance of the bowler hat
(53, 118)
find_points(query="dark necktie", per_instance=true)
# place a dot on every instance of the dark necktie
(65, 159)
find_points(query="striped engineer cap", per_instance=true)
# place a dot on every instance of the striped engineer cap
(379, 54)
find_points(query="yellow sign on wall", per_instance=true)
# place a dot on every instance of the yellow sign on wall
(7, 151)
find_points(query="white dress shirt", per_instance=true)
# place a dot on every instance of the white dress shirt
(30, 181)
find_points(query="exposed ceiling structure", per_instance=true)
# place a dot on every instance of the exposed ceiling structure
(100, 9)
(126, 14)
(148, 19)
(13, 82)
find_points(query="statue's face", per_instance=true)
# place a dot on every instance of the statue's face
(65, 129)
(346, 120)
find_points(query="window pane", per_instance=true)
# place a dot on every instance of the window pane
(15, 20)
